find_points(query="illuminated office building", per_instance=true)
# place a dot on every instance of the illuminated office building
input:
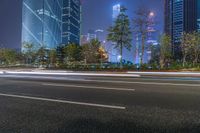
(181, 16)
(71, 19)
(113, 52)
(49, 23)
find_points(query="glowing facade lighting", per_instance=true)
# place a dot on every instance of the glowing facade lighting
(42, 23)
(49, 23)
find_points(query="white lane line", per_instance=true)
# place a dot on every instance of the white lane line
(39, 77)
(75, 74)
(144, 83)
(103, 81)
(91, 87)
(63, 101)
(166, 73)
(170, 84)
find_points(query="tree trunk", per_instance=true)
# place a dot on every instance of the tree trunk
(184, 60)
(161, 63)
(142, 54)
(195, 60)
(121, 49)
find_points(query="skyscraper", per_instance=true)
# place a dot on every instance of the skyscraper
(113, 52)
(100, 35)
(167, 16)
(42, 23)
(151, 37)
(91, 35)
(181, 16)
(116, 11)
(71, 19)
(49, 23)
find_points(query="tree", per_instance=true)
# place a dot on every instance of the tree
(141, 23)
(28, 51)
(186, 41)
(155, 55)
(103, 55)
(165, 50)
(72, 52)
(42, 56)
(52, 55)
(120, 33)
(2, 56)
(8, 56)
(90, 51)
(195, 48)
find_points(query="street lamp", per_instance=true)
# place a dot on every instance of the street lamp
(119, 57)
(151, 14)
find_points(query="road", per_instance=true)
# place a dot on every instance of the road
(99, 104)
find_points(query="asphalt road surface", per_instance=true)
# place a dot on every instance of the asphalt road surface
(97, 104)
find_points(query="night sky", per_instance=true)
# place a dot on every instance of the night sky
(97, 14)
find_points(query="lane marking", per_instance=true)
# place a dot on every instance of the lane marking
(151, 78)
(166, 73)
(102, 81)
(92, 87)
(144, 83)
(64, 101)
(38, 77)
(75, 74)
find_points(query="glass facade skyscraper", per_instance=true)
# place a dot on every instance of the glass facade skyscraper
(113, 52)
(177, 20)
(198, 15)
(181, 16)
(49, 23)
(71, 21)
(42, 23)
(116, 11)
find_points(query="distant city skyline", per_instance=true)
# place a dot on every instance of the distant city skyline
(96, 15)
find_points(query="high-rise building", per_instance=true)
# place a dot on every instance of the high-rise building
(49, 23)
(181, 16)
(152, 37)
(100, 35)
(71, 19)
(91, 35)
(83, 39)
(113, 52)
(167, 15)
(116, 11)
(42, 23)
